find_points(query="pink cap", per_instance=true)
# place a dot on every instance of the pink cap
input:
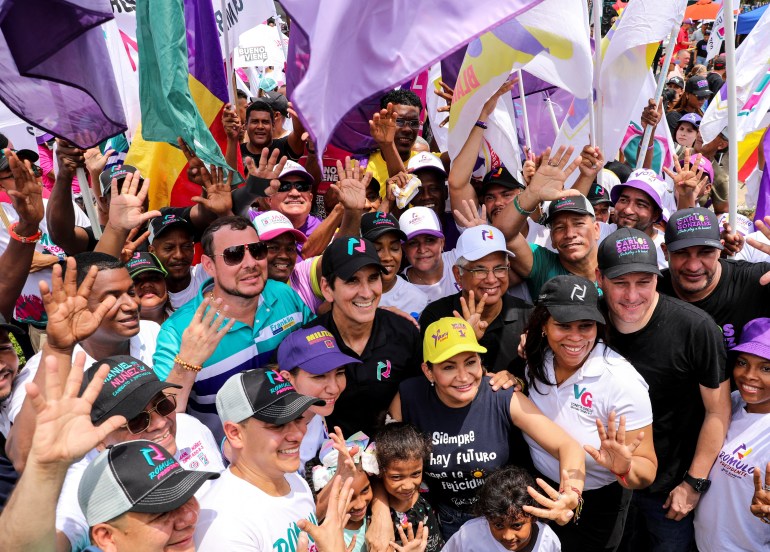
(420, 220)
(272, 224)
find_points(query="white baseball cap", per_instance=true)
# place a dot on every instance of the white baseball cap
(272, 224)
(425, 160)
(420, 220)
(479, 241)
(292, 167)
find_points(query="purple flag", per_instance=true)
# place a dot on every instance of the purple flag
(357, 48)
(56, 73)
(763, 199)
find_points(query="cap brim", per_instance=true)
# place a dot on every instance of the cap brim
(692, 242)
(623, 269)
(287, 409)
(173, 493)
(324, 363)
(375, 233)
(504, 184)
(456, 350)
(346, 270)
(299, 236)
(480, 253)
(27, 155)
(703, 93)
(177, 223)
(571, 313)
(147, 269)
(305, 176)
(416, 233)
(11, 328)
(636, 185)
(753, 348)
(570, 210)
(600, 201)
(137, 400)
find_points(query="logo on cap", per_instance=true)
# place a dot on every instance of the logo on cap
(459, 328)
(692, 223)
(279, 384)
(703, 83)
(383, 370)
(380, 215)
(487, 234)
(631, 246)
(599, 190)
(579, 291)
(356, 244)
(147, 452)
(439, 336)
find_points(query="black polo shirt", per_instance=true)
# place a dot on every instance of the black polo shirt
(392, 354)
(501, 338)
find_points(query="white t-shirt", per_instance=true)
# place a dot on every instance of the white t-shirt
(752, 254)
(658, 239)
(197, 276)
(196, 450)
(311, 443)
(723, 520)
(405, 296)
(446, 286)
(239, 517)
(604, 383)
(475, 536)
(141, 346)
(29, 306)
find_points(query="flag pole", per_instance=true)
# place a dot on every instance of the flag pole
(228, 53)
(646, 139)
(525, 118)
(88, 202)
(732, 112)
(554, 122)
(596, 114)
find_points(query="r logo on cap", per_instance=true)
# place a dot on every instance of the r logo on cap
(147, 452)
(356, 244)
(487, 234)
(579, 291)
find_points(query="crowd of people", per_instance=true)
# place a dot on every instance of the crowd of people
(414, 357)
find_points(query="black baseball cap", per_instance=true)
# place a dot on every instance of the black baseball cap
(143, 262)
(22, 154)
(501, 177)
(10, 328)
(120, 172)
(571, 204)
(569, 298)
(699, 86)
(160, 224)
(278, 102)
(347, 255)
(627, 250)
(598, 194)
(262, 394)
(128, 388)
(676, 81)
(692, 227)
(374, 225)
(136, 476)
(720, 62)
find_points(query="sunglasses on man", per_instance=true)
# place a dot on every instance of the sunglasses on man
(234, 254)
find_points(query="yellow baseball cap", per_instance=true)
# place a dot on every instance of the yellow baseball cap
(448, 337)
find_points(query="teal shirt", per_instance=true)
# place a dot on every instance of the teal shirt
(545, 265)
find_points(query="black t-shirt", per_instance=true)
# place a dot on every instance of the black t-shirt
(8, 476)
(392, 354)
(680, 349)
(501, 338)
(715, 82)
(737, 299)
(281, 144)
(672, 118)
(700, 48)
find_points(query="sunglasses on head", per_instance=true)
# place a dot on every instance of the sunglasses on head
(140, 424)
(233, 255)
(300, 186)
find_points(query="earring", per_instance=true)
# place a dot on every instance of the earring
(543, 333)
(432, 383)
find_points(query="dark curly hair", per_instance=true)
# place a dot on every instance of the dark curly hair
(504, 493)
(401, 97)
(401, 441)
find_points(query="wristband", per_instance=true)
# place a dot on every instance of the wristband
(186, 365)
(258, 186)
(24, 239)
(521, 209)
(579, 509)
(622, 476)
(480, 124)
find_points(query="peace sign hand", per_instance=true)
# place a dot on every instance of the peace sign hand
(615, 454)
(760, 502)
(472, 312)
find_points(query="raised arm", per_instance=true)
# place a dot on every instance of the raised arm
(60, 216)
(591, 164)
(232, 125)
(382, 127)
(261, 180)
(295, 138)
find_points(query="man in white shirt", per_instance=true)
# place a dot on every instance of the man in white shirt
(256, 503)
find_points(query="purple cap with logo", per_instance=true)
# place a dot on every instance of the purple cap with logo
(693, 118)
(755, 338)
(313, 350)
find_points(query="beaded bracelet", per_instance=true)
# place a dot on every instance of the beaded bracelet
(579, 509)
(521, 209)
(480, 124)
(186, 365)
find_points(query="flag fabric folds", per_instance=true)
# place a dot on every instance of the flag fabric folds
(763, 199)
(182, 90)
(44, 47)
(239, 16)
(717, 35)
(356, 47)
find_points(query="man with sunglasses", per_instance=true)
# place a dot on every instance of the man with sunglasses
(265, 311)
(294, 198)
(132, 390)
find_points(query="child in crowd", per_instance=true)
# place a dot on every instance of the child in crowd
(502, 523)
(358, 510)
(687, 130)
(401, 452)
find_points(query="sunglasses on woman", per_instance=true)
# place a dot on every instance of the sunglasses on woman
(141, 423)
(234, 254)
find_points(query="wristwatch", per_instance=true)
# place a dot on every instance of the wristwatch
(700, 485)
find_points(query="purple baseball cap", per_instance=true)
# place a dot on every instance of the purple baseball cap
(313, 350)
(707, 167)
(693, 118)
(755, 338)
(645, 180)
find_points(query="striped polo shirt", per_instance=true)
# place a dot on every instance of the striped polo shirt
(280, 312)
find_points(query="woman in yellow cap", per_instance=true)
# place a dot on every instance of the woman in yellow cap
(470, 428)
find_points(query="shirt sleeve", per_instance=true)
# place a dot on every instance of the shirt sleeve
(544, 263)
(707, 350)
(631, 396)
(168, 344)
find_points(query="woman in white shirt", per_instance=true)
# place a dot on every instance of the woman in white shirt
(723, 520)
(577, 381)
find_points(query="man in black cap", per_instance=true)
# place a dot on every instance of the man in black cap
(678, 350)
(280, 106)
(498, 190)
(388, 345)
(730, 291)
(718, 74)
(599, 198)
(264, 421)
(696, 92)
(675, 84)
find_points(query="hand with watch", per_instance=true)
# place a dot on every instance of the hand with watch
(685, 497)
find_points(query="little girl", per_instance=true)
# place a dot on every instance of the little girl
(401, 452)
(502, 523)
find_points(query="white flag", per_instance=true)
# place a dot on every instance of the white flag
(717, 35)
(238, 16)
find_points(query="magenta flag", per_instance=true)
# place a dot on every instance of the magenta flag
(356, 48)
(763, 199)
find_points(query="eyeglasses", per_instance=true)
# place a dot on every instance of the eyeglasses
(411, 123)
(299, 185)
(140, 423)
(234, 254)
(483, 273)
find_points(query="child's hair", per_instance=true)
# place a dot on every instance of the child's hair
(401, 441)
(504, 493)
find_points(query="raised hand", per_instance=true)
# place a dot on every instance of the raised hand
(329, 535)
(382, 125)
(194, 163)
(26, 195)
(591, 161)
(760, 501)
(231, 122)
(69, 157)
(96, 160)
(472, 312)
(269, 168)
(204, 333)
(127, 208)
(64, 432)
(346, 465)
(469, 216)
(351, 186)
(689, 180)
(217, 193)
(491, 103)
(548, 182)
(529, 168)
(614, 454)
(132, 244)
(446, 92)
(558, 506)
(411, 540)
(69, 318)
